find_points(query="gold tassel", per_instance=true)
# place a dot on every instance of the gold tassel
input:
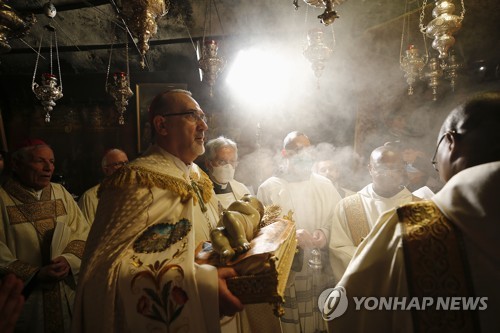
(136, 175)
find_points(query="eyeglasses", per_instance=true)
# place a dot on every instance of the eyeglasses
(116, 164)
(224, 162)
(191, 115)
(433, 160)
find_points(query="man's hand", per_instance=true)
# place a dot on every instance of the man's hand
(228, 303)
(306, 240)
(57, 270)
(319, 239)
(11, 302)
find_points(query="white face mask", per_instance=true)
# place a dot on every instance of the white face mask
(223, 174)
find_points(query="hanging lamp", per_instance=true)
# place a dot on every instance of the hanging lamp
(210, 63)
(119, 88)
(48, 91)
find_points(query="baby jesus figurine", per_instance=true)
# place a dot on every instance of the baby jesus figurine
(237, 227)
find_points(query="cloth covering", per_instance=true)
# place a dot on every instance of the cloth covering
(342, 246)
(139, 260)
(470, 202)
(36, 227)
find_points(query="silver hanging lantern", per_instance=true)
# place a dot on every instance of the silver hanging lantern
(412, 64)
(210, 63)
(48, 92)
(119, 88)
(317, 52)
(451, 70)
(432, 75)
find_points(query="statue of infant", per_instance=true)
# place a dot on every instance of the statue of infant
(237, 227)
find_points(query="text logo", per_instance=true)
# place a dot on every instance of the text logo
(332, 303)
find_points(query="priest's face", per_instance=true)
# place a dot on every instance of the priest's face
(185, 127)
(36, 169)
(388, 172)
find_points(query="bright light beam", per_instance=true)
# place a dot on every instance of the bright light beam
(260, 78)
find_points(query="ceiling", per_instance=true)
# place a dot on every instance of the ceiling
(363, 76)
(87, 29)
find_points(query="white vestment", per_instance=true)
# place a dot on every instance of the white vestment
(138, 271)
(312, 202)
(88, 203)
(35, 229)
(470, 202)
(342, 246)
(424, 193)
(238, 191)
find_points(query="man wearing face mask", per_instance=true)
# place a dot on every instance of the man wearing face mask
(221, 161)
(312, 199)
(356, 215)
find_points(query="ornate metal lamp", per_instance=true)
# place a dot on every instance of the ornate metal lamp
(48, 91)
(443, 26)
(210, 63)
(317, 52)
(119, 89)
(441, 29)
(12, 25)
(451, 69)
(141, 17)
(432, 75)
(412, 64)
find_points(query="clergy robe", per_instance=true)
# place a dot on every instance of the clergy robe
(470, 202)
(138, 271)
(238, 190)
(88, 203)
(34, 229)
(312, 202)
(342, 245)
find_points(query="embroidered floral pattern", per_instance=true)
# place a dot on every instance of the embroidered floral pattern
(163, 302)
(159, 237)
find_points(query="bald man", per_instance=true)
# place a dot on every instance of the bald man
(356, 215)
(112, 160)
(312, 199)
(443, 249)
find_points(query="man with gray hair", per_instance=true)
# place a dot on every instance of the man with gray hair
(112, 160)
(139, 262)
(221, 161)
(42, 237)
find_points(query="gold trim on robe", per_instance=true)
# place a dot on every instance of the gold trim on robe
(436, 267)
(145, 177)
(356, 218)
